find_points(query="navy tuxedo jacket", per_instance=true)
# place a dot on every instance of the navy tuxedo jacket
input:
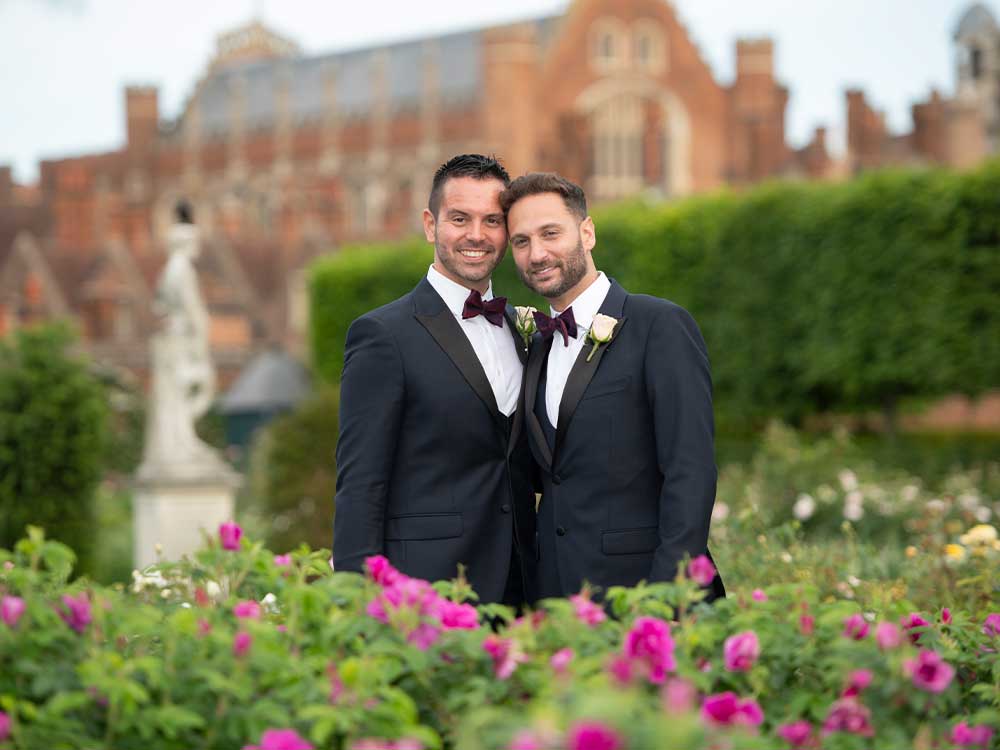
(629, 483)
(430, 473)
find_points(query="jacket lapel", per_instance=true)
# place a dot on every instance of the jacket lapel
(511, 316)
(537, 357)
(583, 371)
(440, 323)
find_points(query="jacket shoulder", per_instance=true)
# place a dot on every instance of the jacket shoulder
(391, 312)
(645, 306)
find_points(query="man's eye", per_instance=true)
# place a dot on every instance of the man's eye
(458, 220)
(493, 222)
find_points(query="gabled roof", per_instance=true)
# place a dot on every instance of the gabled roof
(271, 381)
(976, 20)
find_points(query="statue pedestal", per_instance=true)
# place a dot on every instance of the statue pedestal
(175, 511)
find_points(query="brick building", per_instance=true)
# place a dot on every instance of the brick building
(285, 156)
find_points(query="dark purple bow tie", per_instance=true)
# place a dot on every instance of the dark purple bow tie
(564, 322)
(492, 309)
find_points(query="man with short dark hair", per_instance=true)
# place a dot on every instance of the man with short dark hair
(434, 470)
(618, 407)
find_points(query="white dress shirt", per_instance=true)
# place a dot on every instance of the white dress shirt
(494, 345)
(561, 357)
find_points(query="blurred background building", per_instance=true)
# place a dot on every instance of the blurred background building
(286, 156)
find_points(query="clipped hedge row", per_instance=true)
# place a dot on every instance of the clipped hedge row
(812, 297)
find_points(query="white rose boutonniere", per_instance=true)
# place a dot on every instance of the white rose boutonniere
(525, 323)
(600, 331)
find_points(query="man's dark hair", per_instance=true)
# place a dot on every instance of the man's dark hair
(465, 165)
(536, 183)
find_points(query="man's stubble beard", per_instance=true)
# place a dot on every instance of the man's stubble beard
(574, 268)
(447, 257)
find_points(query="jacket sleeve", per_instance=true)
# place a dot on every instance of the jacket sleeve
(371, 400)
(679, 386)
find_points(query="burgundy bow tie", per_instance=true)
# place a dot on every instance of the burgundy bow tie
(564, 322)
(492, 309)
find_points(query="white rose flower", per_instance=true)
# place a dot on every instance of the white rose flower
(983, 514)
(909, 493)
(937, 505)
(968, 501)
(602, 328)
(853, 511)
(804, 507)
(213, 589)
(525, 317)
(848, 480)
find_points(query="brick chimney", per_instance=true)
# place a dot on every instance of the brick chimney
(142, 112)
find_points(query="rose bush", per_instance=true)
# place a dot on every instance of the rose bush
(238, 647)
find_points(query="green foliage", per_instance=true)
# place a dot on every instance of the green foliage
(293, 474)
(53, 427)
(811, 297)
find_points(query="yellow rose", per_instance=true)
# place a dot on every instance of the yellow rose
(983, 534)
(954, 552)
(911, 551)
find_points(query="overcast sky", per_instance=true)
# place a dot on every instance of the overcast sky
(63, 63)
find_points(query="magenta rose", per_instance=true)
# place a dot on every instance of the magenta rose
(241, 644)
(701, 570)
(505, 654)
(991, 626)
(807, 624)
(76, 612)
(560, 660)
(4, 726)
(11, 609)
(741, 651)
(280, 739)
(929, 671)
(525, 739)
(856, 627)
(248, 610)
(457, 616)
(758, 595)
(912, 621)
(976, 738)
(593, 735)
(229, 535)
(857, 681)
(798, 734)
(850, 716)
(282, 561)
(726, 709)
(888, 635)
(586, 611)
(381, 570)
(649, 643)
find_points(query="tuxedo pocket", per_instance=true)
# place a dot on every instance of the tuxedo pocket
(606, 389)
(423, 526)
(630, 541)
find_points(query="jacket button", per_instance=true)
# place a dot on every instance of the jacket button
(505, 508)
(560, 531)
(556, 479)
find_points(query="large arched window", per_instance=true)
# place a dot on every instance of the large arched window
(618, 146)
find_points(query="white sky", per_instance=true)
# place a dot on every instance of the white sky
(64, 63)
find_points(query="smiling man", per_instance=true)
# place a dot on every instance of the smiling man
(618, 407)
(434, 470)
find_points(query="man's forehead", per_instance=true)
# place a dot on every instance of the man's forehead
(471, 192)
(536, 211)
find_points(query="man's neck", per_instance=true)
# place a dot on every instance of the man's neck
(479, 286)
(560, 303)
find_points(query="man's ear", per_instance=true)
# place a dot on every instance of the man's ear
(429, 225)
(588, 235)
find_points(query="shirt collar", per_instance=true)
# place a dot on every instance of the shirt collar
(453, 294)
(588, 303)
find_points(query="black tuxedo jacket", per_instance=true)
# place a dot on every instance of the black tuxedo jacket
(430, 473)
(629, 483)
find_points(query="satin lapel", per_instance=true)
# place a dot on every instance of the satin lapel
(583, 371)
(446, 331)
(537, 357)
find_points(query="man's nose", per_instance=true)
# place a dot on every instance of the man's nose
(474, 230)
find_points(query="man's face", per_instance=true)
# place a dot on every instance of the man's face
(551, 245)
(469, 232)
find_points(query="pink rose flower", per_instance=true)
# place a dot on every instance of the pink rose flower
(912, 621)
(282, 561)
(11, 609)
(4, 726)
(586, 611)
(381, 570)
(991, 626)
(241, 644)
(423, 636)
(701, 570)
(850, 716)
(505, 654)
(726, 709)
(204, 627)
(229, 535)
(593, 735)
(525, 739)
(888, 635)
(679, 696)
(856, 627)
(798, 734)
(650, 644)
(621, 670)
(457, 616)
(248, 610)
(741, 651)
(280, 739)
(807, 624)
(758, 595)
(946, 616)
(977, 737)
(929, 671)
(857, 681)
(77, 613)
(560, 660)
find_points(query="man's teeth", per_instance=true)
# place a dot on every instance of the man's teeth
(473, 253)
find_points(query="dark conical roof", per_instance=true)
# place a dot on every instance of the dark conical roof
(976, 19)
(272, 380)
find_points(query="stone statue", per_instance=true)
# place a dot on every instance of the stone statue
(182, 372)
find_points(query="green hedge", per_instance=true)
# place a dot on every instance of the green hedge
(812, 297)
